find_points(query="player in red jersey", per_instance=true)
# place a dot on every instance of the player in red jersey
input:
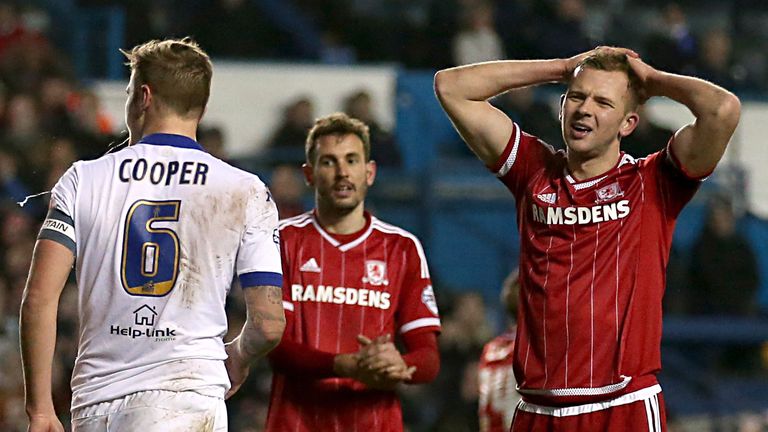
(595, 227)
(351, 282)
(496, 379)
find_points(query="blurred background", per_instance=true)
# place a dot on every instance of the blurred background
(278, 64)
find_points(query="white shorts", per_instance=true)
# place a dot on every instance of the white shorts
(153, 411)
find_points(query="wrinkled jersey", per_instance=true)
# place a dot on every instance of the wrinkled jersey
(159, 230)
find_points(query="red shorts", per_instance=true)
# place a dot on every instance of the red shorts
(638, 411)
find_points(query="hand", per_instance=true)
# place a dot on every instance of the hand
(645, 73)
(572, 63)
(237, 367)
(380, 362)
(44, 423)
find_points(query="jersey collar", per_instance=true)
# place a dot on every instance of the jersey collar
(345, 242)
(172, 140)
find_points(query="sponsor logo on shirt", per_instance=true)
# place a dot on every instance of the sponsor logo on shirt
(340, 295)
(376, 273)
(144, 320)
(580, 215)
(310, 266)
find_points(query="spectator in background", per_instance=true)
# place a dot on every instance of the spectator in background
(12, 28)
(287, 189)
(516, 23)
(714, 62)
(384, 148)
(90, 116)
(24, 127)
(465, 330)
(497, 384)
(647, 138)
(723, 281)
(723, 269)
(672, 46)
(92, 130)
(522, 106)
(212, 140)
(61, 154)
(562, 33)
(238, 29)
(478, 40)
(286, 144)
(11, 186)
(335, 50)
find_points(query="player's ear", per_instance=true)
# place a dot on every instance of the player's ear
(308, 174)
(146, 97)
(370, 172)
(629, 124)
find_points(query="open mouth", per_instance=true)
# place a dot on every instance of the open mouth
(580, 130)
(343, 189)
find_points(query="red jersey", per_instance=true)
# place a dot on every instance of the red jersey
(337, 287)
(496, 381)
(592, 270)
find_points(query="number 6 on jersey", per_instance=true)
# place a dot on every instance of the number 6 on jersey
(150, 263)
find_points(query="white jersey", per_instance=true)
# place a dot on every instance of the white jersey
(160, 229)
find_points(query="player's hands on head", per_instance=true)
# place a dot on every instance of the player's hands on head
(237, 366)
(572, 63)
(645, 73)
(44, 423)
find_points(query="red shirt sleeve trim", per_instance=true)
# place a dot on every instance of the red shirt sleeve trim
(679, 166)
(507, 150)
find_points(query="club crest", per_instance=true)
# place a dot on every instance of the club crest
(608, 193)
(375, 273)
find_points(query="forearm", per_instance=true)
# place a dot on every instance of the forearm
(51, 263)
(37, 334)
(264, 324)
(481, 81)
(254, 341)
(297, 359)
(424, 355)
(707, 101)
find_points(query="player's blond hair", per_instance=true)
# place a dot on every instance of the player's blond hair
(177, 70)
(616, 62)
(336, 124)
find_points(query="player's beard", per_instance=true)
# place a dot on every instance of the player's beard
(327, 203)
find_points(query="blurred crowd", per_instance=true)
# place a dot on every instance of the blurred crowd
(722, 41)
(49, 118)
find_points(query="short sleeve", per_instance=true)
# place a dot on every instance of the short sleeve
(417, 308)
(64, 192)
(288, 304)
(676, 187)
(258, 259)
(59, 224)
(522, 157)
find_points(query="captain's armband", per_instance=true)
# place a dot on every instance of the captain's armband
(59, 227)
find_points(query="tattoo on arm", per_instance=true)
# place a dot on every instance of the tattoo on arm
(274, 295)
(265, 322)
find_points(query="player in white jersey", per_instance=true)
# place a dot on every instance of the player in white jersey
(157, 232)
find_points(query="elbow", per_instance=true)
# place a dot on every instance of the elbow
(432, 375)
(729, 111)
(272, 331)
(444, 83)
